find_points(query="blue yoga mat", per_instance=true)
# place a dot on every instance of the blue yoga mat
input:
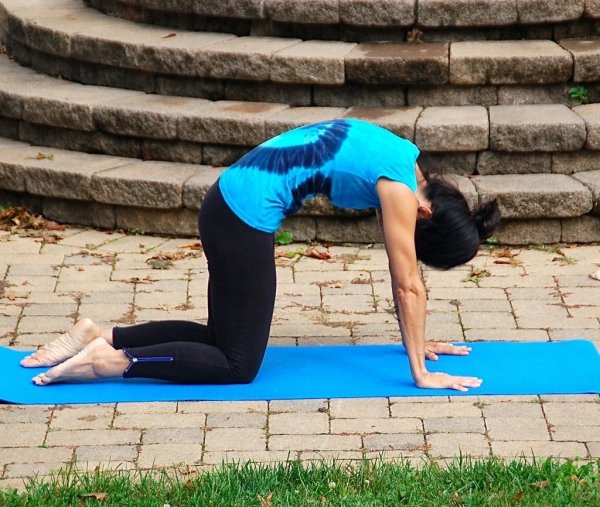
(507, 368)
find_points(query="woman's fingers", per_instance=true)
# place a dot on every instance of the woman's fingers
(444, 381)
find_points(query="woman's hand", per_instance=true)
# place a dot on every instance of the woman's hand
(432, 349)
(431, 380)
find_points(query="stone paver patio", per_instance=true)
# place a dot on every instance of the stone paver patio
(518, 294)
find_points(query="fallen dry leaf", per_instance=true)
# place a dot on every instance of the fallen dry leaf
(196, 245)
(170, 34)
(312, 251)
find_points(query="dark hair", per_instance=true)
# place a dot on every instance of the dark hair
(453, 233)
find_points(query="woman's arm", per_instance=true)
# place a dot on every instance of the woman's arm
(399, 210)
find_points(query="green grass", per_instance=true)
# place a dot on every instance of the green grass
(463, 482)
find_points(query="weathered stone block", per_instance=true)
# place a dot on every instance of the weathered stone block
(509, 62)
(298, 116)
(389, 63)
(279, 93)
(531, 94)
(141, 115)
(380, 13)
(400, 120)
(9, 128)
(144, 184)
(535, 128)
(242, 58)
(592, 8)
(591, 115)
(310, 11)
(33, 202)
(502, 162)
(117, 145)
(79, 212)
(448, 129)
(359, 95)
(585, 229)
(448, 163)
(70, 105)
(301, 228)
(466, 187)
(3, 24)
(55, 173)
(591, 179)
(51, 35)
(219, 155)
(173, 151)
(182, 54)
(16, 87)
(311, 62)
(524, 232)
(549, 11)
(468, 13)
(64, 139)
(104, 75)
(252, 9)
(535, 195)
(210, 89)
(195, 188)
(183, 6)
(228, 122)
(181, 222)
(452, 96)
(576, 161)
(586, 54)
(348, 230)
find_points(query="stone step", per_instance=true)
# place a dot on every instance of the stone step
(463, 139)
(362, 20)
(65, 38)
(163, 197)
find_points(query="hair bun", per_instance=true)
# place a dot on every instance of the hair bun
(487, 218)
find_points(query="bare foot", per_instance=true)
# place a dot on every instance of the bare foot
(65, 346)
(97, 360)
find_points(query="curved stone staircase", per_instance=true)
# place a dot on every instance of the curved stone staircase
(121, 113)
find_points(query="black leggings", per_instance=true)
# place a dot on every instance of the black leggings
(241, 294)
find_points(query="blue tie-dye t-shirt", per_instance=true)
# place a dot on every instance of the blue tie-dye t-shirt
(341, 159)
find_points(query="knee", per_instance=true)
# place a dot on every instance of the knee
(245, 375)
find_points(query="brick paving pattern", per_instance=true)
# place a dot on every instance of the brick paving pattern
(531, 294)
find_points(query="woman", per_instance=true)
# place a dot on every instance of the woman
(356, 165)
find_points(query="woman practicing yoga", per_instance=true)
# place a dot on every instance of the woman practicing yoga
(356, 165)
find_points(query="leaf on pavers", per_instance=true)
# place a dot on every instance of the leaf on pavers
(284, 238)
(14, 218)
(290, 254)
(360, 281)
(135, 279)
(43, 156)
(170, 34)
(160, 264)
(196, 245)
(312, 251)
(506, 256)
(165, 258)
(476, 275)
